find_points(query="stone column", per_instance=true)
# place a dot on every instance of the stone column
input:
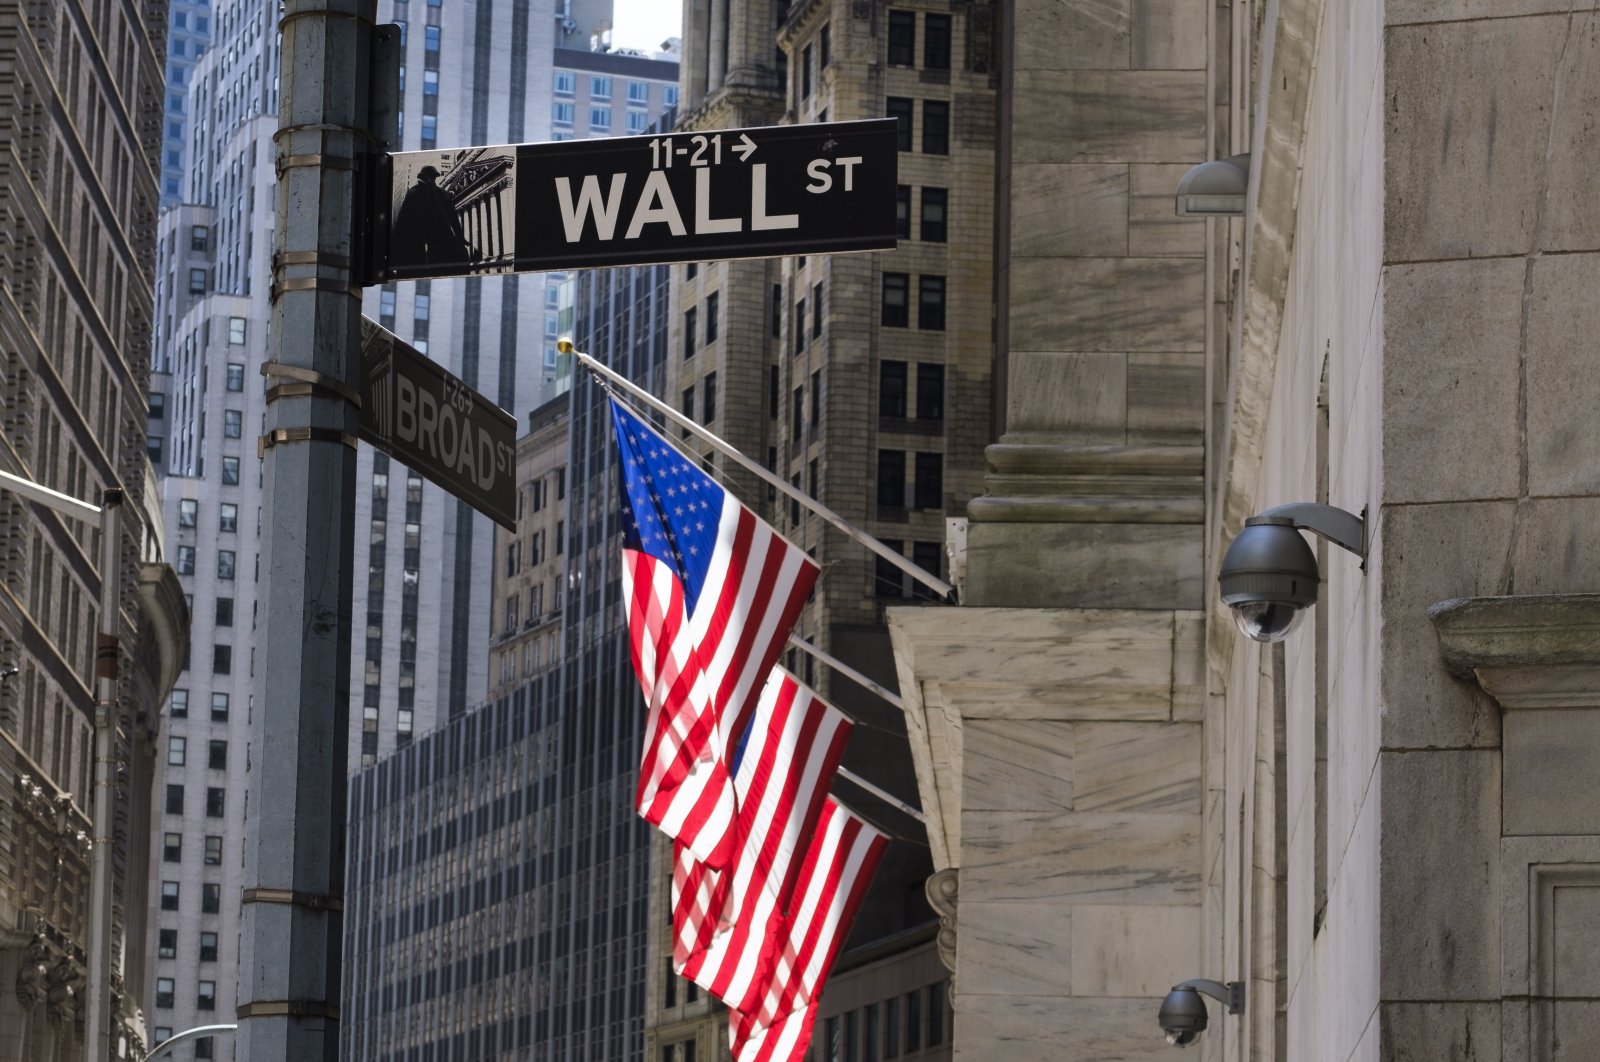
(1539, 658)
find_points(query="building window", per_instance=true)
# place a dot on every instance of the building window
(896, 300)
(902, 38)
(805, 72)
(688, 407)
(934, 202)
(213, 850)
(600, 88)
(892, 479)
(230, 471)
(228, 517)
(902, 211)
(799, 326)
(711, 317)
(210, 899)
(936, 1014)
(825, 45)
(936, 42)
(224, 612)
(935, 127)
(430, 82)
(777, 310)
(222, 659)
(177, 751)
(208, 947)
(430, 130)
(927, 556)
(219, 707)
(816, 310)
(172, 847)
(930, 303)
(566, 82)
(178, 704)
(430, 39)
(708, 393)
(797, 427)
(164, 987)
(188, 513)
(563, 112)
(235, 376)
(225, 564)
(914, 1021)
(199, 238)
(216, 755)
(772, 391)
(638, 122)
(158, 406)
(197, 282)
(169, 895)
(174, 803)
(206, 996)
(669, 95)
(185, 561)
(600, 119)
(232, 423)
(930, 391)
(816, 397)
(167, 946)
(891, 1028)
(899, 107)
(930, 481)
(236, 331)
(216, 802)
(689, 317)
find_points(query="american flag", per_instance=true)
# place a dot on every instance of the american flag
(712, 593)
(833, 879)
(727, 923)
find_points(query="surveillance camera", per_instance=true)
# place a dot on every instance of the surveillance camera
(1269, 575)
(1182, 1016)
(1183, 1012)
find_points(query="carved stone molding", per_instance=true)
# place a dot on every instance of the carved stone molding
(944, 890)
(1527, 652)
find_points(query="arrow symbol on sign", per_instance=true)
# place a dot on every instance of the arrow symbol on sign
(745, 147)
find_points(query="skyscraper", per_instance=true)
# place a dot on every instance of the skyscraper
(862, 380)
(80, 121)
(188, 34)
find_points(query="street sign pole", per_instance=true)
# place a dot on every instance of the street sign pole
(291, 924)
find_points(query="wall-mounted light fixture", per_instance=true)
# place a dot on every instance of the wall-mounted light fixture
(1269, 575)
(1215, 189)
(1183, 1013)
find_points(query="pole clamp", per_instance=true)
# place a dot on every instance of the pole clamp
(289, 1008)
(328, 284)
(279, 436)
(309, 382)
(311, 901)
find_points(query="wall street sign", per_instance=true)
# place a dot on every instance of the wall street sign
(432, 422)
(733, 193)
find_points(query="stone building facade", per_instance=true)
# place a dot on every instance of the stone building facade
(80, 124)
(1380, 825)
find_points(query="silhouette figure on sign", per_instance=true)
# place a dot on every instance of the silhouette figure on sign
(427, 232)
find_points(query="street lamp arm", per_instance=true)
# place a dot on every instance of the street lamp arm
(188, 1034)
(51, 499)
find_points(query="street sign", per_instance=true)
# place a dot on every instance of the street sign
(432, 422)
(733, 193)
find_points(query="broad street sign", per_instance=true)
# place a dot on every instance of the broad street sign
(733, 193)
(432, 422)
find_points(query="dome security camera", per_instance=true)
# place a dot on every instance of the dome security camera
(1183, 1013)
(1269, 575)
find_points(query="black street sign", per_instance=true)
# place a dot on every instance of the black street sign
(733, 193)
(432, 422)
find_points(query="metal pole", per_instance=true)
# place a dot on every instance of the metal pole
(846, 670)
(291, 906)
(107, 661)
(166, 1046)
(919, 574)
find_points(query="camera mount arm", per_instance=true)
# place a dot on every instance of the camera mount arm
(1343, 529)
(1230, 995)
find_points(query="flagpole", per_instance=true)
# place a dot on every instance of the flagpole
(846, 670)
(887, 798)
(922, 576)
